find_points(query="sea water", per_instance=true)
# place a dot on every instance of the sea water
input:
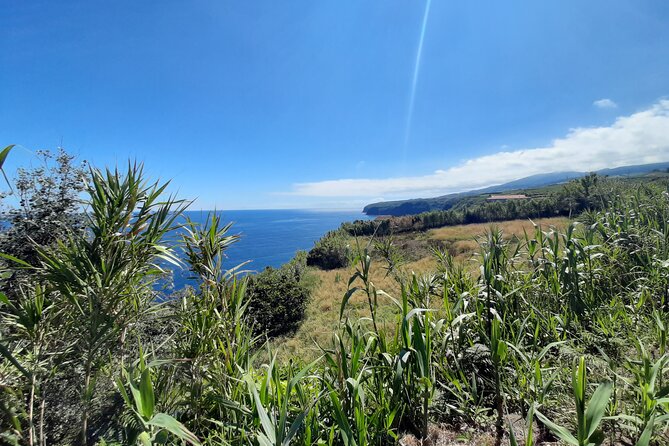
(270, 237)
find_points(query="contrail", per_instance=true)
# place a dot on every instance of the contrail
(412, 97)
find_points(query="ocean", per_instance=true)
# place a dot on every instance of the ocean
(271, 237)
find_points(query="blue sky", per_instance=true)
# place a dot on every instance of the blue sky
(266, 104)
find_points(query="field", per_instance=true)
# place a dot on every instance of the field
(322, 317)
(461, 240)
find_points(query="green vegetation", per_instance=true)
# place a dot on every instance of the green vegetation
(534, 186)
(331, 251)
(278, 298)
(94, 353)
(590, 192)
(48, 201)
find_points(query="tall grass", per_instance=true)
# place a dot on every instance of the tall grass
(563, 326)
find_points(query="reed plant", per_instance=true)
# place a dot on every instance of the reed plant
(564, 327)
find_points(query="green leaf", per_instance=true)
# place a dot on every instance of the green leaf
(502, 350)
(529, 423)
(294, 427)
(579, 382)
(647, 433)
(547, 348)
(15, 260)
(597, 407)
(4, 153)
(341, 419)
(121, 389)
(557, 430)
(137, 396)
(263, 440)
(146, 392)
(144, 438)
(345, 300)
(4, 351)
(3, 158)
(512, 436)
(529, 439)
(164, 421)
(265, 421)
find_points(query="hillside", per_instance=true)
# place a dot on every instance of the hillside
(415, 251)
(445, 202)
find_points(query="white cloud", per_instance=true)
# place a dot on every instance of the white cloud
(605, 103)
(640, 138)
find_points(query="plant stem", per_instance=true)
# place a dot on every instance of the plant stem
(499, 404)
(42, 437)
(86, 400)
(31, 405)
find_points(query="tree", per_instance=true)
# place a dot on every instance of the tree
(47, 209)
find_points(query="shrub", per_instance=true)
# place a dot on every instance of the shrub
(42, 208)
(330, 252)
(277, 300)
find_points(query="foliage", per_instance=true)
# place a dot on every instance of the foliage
(330, 252)
(47, 209)
(565, 328)
(105, 280)
(277, 300)
(588, 193)
(147, 426)
(588, 415)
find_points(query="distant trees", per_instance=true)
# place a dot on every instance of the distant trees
(591, 192)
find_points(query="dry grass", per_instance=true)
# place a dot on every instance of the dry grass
(510, 228)
(322, 316)
(461, 241)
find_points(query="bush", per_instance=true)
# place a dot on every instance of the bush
(277, 300)
(330, 252)
(43, 207)
(48, 205)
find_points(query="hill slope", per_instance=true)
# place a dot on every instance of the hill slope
(445, 202)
